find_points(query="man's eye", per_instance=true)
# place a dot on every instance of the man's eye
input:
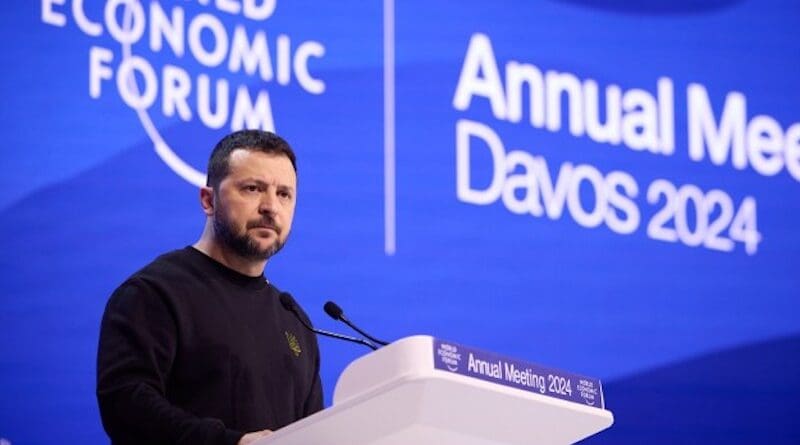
(251, 188)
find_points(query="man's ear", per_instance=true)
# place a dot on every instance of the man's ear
(207, 200)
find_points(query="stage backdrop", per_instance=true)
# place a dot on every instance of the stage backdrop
(608, 187)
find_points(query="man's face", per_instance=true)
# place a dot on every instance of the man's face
(254, 204)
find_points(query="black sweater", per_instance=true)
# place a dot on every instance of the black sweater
(193, 352)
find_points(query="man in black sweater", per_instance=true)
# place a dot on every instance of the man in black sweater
(195, 348)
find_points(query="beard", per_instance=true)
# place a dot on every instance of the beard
(244, 245)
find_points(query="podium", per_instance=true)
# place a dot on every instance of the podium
(421, 390)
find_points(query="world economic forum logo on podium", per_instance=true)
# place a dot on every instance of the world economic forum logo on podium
(448, 356)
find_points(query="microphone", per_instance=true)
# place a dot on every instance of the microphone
(288, 303)
(337, 313)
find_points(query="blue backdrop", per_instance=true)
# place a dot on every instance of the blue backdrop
(608, 187)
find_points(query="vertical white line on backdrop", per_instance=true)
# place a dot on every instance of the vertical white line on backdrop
(389, 168)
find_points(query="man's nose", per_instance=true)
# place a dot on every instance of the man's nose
(268, 203)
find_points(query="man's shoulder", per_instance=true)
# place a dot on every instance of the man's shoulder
(175, 262)
(166, 277)
(171, 267)
(131, 290)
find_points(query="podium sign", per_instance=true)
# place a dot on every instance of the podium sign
(518, 374)
(422, 390)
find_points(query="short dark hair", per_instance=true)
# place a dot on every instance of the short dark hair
(253, 140)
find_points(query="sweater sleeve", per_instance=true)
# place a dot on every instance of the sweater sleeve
(314, 401)
(135, 353)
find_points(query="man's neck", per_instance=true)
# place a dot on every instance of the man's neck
(229, 259)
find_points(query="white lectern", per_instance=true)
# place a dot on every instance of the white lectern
(421, 390)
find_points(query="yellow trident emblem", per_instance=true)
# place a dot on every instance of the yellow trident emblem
(294, 345)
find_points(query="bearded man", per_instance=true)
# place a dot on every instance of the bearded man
(196, 348)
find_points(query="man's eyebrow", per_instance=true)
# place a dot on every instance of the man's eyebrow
(262, 182)
(252, 179)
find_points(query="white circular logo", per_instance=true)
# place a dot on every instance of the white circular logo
(164, 151)
(247, 55)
